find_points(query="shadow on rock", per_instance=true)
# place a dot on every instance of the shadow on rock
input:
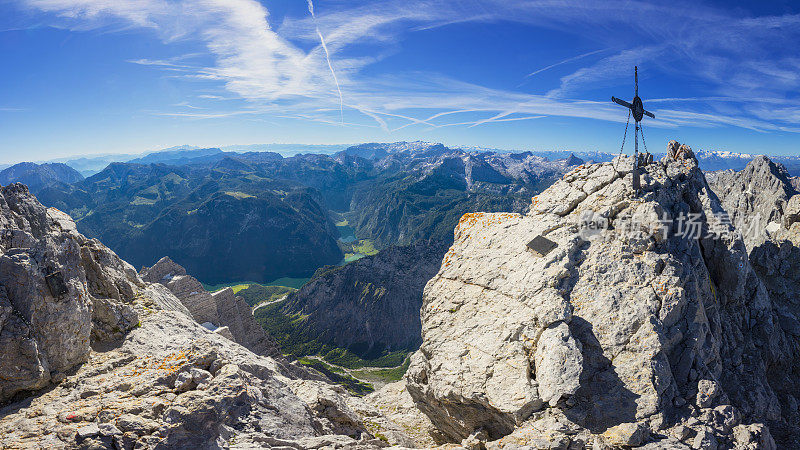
(602, 401)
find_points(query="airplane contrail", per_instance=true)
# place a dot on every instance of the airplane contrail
(328, 59)
(568, 60)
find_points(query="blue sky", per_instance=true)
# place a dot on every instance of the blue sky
(101, 76)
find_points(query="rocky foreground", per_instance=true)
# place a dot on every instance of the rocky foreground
(651, 324)
(92, 356)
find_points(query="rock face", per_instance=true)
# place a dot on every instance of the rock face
(128, 366)
(223, 310)
(755, 198)
(369, 304)
(634, 329)
(59, 293)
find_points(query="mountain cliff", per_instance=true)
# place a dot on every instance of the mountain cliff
(221, 311)
(755, 198)
(631, 331)
(368, 306)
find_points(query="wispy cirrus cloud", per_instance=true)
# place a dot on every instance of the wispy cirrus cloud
(315, 66)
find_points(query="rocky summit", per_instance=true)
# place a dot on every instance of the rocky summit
(646, 324)
(755, 198)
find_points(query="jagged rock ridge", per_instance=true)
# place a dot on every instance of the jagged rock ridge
(632, 334)
(221, 311)
(755, 197)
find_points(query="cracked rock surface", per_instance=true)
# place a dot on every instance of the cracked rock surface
(628, 335)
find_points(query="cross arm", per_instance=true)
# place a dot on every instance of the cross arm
(621, 102)
(649, 114)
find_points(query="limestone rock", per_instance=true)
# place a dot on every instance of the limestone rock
(756, 198)
(400, 420)
(59, 293)
(558, 363)
(133, 368)
(707, 391)
(224, 396)
(222, 309)
(705, 440)
(751, 437)
(626, 435)
(644, 309)
(792, 212)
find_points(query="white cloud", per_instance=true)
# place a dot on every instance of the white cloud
(289, 67)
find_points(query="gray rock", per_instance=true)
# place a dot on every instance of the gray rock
(651, 307)
(222, 309)
(108, 429)
(627, 435)
(59, 293)
(792, 212)
(755, 198)
(707, 391)
(705, 440)
(88, 431)
(754, 436)
(183, 382)
(200, 376)
(727, 417)
(558, 363)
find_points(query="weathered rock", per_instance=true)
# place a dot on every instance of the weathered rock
(756, 198)
(59, 292)
(651, 305)
(626, 435)
(152, 377)
(707, 391)
(558, 362)
(792, 212)
(224, 395)
(400, 420)
(705, 440)
(228, 314)
(751, 437)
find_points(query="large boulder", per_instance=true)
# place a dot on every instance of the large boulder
(59, 293)
(643, 296)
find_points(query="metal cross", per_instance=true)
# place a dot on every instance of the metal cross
(638, 112)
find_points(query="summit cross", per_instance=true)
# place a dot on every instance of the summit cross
(636, 108)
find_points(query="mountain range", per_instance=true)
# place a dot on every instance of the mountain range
(259, 216)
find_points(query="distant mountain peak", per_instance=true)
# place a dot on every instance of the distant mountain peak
(39, 176)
